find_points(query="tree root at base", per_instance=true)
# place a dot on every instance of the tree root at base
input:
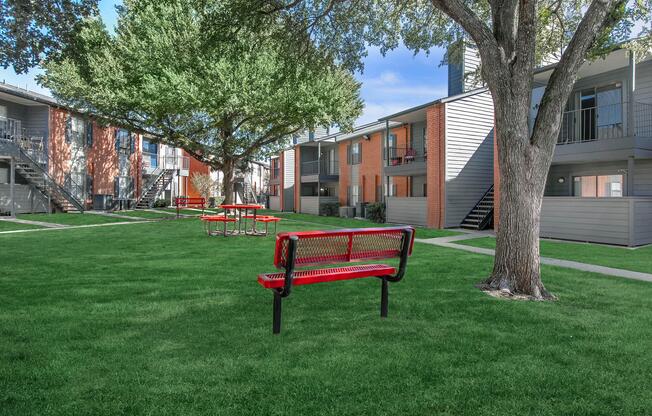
(507, 293)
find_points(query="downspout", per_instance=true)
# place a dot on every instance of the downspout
(631, 82)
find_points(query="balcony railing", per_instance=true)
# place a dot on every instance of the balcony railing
(606, 122)
(404, 155)
(320, 167)
(30, 141)
(153, 162)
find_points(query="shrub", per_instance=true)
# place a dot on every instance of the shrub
(160, 203)
(376, 212)
(330, 209)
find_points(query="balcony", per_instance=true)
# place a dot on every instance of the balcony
(32, 142)
(153, 163)
(320, 170)
(405, 161)
(603, 133)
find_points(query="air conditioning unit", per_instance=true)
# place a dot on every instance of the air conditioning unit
(102, 202)
(347, 212)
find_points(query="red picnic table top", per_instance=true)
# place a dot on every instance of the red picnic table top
(241, 206)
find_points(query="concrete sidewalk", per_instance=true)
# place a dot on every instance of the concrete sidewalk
(29, 222)
(449, 242)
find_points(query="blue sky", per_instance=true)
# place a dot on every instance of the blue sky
(391, 83)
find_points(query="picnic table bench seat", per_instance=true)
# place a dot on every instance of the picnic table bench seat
(295, 250)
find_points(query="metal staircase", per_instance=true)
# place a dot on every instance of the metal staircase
(160, 181)
(481, 216)
(37, 176)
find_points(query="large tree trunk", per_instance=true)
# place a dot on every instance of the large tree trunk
(228, 170)
(523, 172)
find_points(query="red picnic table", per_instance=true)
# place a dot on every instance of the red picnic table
(239, 208)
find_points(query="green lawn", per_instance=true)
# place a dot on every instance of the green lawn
(639, 260)
(355, 223)
(145, 214)
(71, 219)
(13, 226)
(157, 318)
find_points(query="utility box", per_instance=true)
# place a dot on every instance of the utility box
(347, 212)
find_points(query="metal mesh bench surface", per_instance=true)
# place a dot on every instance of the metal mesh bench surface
(305, 277)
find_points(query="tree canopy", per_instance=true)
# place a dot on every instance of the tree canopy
(34, 30)
(225, 96)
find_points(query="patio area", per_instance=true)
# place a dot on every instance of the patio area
(157, 318)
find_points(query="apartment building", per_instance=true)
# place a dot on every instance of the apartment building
(251, 185)
(53, 158)
(281, 181)
(599, 187)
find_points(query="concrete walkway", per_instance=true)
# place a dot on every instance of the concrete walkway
(72, 227)
(449, 242)
(112, 215)
(29, 222)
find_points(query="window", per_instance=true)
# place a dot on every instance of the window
(391, 147)
(356, 153)
(390, 187)
(150, 153)
(602, 186)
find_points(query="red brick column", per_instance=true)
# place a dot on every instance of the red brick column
(435, 175)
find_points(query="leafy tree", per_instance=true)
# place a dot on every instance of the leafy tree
(512, 36)
(203, 183)
(226, 96)
(32, 30)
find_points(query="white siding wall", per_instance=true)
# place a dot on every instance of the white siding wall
(287, 187)
(469, 154)
(412, 211)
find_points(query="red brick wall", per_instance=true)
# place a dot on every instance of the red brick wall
(371, 169)
(435, 175)
(58, 149)
(102, 160)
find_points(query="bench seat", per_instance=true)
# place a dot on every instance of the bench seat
(306, 277)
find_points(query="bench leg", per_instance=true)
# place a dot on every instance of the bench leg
(276, 328)
(383, 297)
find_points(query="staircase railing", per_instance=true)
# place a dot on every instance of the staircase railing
(489, 217)
(51, 183)
(159, 174)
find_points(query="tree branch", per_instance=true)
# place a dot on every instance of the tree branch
(598, 17)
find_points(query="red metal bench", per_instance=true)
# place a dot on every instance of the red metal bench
(315, 248)
(183, 202)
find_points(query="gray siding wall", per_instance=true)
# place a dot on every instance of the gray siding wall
(642, 228)
(644, 82)
(412, 211)
(642, 181)
(457, 81)
(27, 199)
(275, 203)
(599, 220)
(469, 154)
(37, 119)
(643, 177)
(554, 188)
(310, 205)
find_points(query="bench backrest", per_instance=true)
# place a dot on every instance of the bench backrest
(342, 246)
(190, 201)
